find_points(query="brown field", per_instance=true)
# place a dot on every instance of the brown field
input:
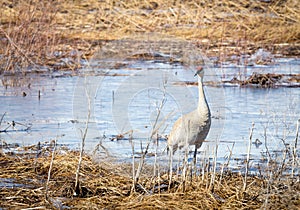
(40, 33)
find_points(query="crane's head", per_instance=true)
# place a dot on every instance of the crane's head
(199, 72)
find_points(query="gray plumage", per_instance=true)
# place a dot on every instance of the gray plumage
(192, 128)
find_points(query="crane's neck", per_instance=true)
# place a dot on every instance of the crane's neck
(202, 103)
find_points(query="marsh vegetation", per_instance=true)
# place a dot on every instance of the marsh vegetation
(43, 35)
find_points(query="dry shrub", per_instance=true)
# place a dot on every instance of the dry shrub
(29, 36)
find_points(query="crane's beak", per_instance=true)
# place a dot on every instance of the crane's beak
(199, 70)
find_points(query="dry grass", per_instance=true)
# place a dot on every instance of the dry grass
(27, 35)
(36, 33)
(108, 185)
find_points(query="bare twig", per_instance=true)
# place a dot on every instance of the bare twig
(133, 164)
(295, 149)
(101, 145)
(266, 143)
(248, 157)
(155, 165)
(17, 47)
(2, 117)
(77, 188)
(50, 168)
(141, 164)
(226, 164)
(212, 179)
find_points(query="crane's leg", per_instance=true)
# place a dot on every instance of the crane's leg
(195, 155)
(195, 162)
(171, 167)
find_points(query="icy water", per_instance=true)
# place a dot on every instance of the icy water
(135, 99)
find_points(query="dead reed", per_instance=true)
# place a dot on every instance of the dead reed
(27, 34)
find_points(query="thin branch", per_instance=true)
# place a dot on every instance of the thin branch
(50, 168)
(2, 117)
(295, 148)
(248, 156)
(77, 189)
(17, 47)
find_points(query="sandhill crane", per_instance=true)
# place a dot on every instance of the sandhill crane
(191, 128)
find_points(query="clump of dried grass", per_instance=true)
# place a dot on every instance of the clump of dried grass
(32, 171)
(108, 185)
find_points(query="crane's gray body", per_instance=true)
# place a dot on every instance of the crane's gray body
(192, 128)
